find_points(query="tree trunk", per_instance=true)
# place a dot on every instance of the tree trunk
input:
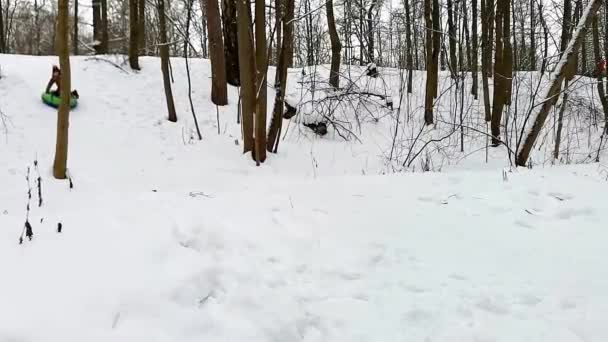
(97, 26)
(274, 132)
(370, 31)
(247, 72)
(104, 27)
(475, 51)
(133, 35)
(408, 45)
(141, 17)
(430, 60)
(486, 53)
(507, 59)
(558, 76)
(600, 78)
(260, 84)
(63, 114)
(2, 40)
(565, 38)
(499, 78)
(219, 93)
(532, 36)
(75, 42)
(231, 43)
(336, 46)
(452, 37)
(164, 60)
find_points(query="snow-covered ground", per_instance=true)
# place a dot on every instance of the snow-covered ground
(165, 238)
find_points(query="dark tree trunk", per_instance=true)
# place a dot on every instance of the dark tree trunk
(133, 35)
(336, 46)
(532, 36)
(247, 73)
(286, 51)
(219, 93)
(452, 38)
(141, 17)
(97, 26)
(2, 40)
(104, 47)
(261, 63)
(231, 43)
(75, 41)
(164, 60)
(499, 80)
(408, 45)
(63, 114)
(474, 58)
(370, 31)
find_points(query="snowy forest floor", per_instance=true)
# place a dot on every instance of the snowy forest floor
(165, 238)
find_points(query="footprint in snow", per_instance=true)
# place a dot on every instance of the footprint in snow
(529, 300)
(492, 306)
(568, 213)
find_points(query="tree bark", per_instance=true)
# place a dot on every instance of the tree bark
(431, 64)
(63, 114)
(474, 62)
(486, 53)
(133, 35)
(274, 132)
(97, 26)
(532, 36)
(336, 46)
(219, 92)
(370, 31)
(141, 21)
(452, 38)
(558, 77)
(408, 45)
(164, 61)
(75, 42)
(247, 73)
(231, 43)
(499, 99)
(104, 48)
(2, 40)
(261, 63)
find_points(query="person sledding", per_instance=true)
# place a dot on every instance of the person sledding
(56, 80)
(53, 97)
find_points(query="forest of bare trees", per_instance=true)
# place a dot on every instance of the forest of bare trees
(491, 58)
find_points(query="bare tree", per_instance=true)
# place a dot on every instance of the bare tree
(164, 59)
(474, 68)
(336, 46)
(559, 74)
(141, 21)
(231, 43)
(247, 73)
(134, 35)
(219, 93)
(261, 63)
(75, 40)
(2, 40)
(63, 114)
(285, 55)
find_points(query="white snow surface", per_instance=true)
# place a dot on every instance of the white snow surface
(166, 238)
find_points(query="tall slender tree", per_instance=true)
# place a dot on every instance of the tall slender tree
(97, 26)
(475, 43)
(285, 55)
(261, 63)
(164, 60)
(75, 41)
(219, 93)
(247, 73)
(134, 35)
(2, 41)
(408, 45)
(63, 114)
(104, 47)
(231, 43)
(336, 46)
(141, 21)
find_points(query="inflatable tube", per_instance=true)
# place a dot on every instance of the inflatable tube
(54, 101)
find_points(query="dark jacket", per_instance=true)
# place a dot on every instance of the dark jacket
(54, 80)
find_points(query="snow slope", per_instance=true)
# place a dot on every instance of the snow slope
(170, 239)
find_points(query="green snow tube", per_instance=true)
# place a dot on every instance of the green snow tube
(54, 101)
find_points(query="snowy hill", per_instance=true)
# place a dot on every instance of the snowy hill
(165, 238)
